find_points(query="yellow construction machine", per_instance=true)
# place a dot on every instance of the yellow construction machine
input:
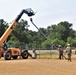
(9, 53)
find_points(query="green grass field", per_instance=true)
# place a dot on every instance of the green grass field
(52, 55)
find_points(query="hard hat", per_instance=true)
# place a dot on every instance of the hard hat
(68, 44)
(59, 46)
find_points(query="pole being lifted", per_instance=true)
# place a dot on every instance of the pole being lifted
(42, 32)
(39, 29)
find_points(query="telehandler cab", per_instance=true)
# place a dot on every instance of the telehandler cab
(9, 53)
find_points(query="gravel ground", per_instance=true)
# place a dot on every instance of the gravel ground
(37, 67)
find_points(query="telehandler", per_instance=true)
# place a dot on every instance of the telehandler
(9, 53)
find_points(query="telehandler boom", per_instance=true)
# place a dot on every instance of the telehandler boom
(14, 52)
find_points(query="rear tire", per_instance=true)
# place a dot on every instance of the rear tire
(24, 54)
(7, 55)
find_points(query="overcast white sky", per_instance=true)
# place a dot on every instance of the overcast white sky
(48, 11)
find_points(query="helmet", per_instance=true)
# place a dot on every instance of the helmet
(68, 44)
(59, 46)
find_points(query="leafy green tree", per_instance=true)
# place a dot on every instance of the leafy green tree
(46, 44)
(62, 33)
(65, 31)
(71, 41)
(20, 31)
(3, 26)
(58, 42)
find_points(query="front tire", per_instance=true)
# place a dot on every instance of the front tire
(24, 54)
(7, 55)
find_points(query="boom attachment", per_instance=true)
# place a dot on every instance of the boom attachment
(28, 11)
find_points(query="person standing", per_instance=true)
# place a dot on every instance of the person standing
(69, 52)
(60, 52)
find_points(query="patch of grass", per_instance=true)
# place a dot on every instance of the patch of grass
(47, 55)
(53, 55)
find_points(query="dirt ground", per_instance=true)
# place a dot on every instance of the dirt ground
(37, 67)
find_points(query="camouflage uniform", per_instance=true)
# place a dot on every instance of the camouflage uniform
(69, 52)
(60, 52)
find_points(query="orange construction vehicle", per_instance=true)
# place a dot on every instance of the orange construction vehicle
(9, 53)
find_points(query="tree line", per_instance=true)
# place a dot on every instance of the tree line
(57, 34)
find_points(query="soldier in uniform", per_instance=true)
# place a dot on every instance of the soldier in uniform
(60, 52)
(69, 52)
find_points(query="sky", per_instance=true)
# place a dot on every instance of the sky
(49, 12)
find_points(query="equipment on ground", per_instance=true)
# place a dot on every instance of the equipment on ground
(9, 53)
(34, 54)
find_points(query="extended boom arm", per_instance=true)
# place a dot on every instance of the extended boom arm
(28, 11)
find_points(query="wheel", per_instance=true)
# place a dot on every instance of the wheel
(24, 54)
(14, 57)
(7, 55)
